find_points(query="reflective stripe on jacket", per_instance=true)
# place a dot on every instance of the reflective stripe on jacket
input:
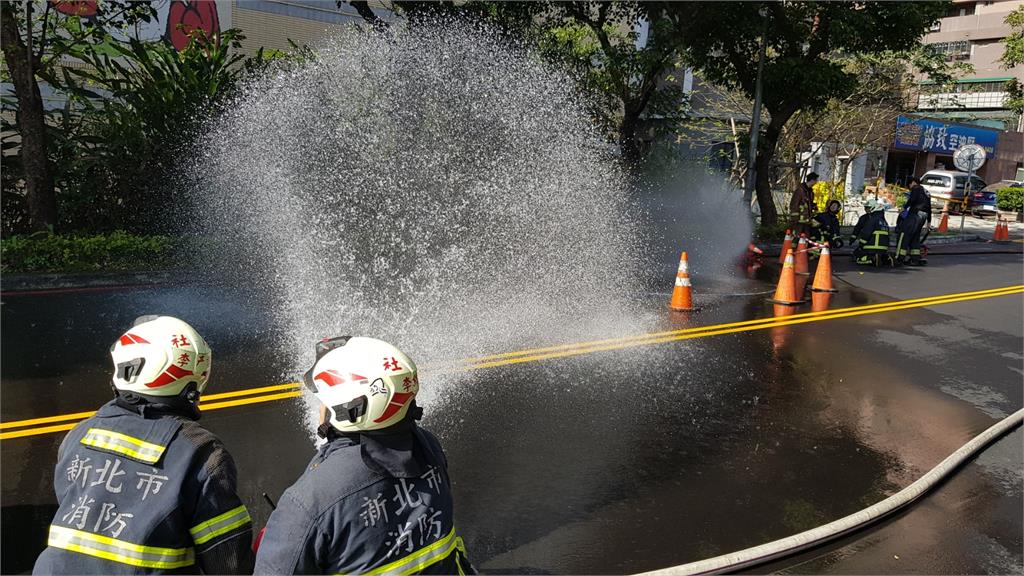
(376, 505)
(145, 492)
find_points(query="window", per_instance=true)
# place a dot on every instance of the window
(955, 50)
(935, 180)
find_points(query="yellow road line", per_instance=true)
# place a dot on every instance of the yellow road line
(782, 321)
(83, 415)
(767, 320)
(291, 389)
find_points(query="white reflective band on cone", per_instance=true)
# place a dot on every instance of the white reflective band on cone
(682, 281)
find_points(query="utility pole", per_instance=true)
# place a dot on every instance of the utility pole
(755, 119)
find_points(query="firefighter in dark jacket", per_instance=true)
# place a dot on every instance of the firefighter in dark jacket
(826, 224)
(143, 489)
(916, 214)
(801, 205)
(871, 234)
(376, 498)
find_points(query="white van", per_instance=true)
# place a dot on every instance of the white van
(946, 185)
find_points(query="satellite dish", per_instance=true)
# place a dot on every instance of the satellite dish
(969, 158)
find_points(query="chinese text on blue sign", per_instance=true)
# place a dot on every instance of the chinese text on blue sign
(936, 136)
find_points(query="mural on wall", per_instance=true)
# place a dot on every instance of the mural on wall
(83, 8)
(176, 20)
(184, 18)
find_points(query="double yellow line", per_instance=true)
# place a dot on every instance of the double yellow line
(36, 426)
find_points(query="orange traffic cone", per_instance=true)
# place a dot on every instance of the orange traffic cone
(800, 260)
(1004, 234)
(754, 249)
(820, 301)
(823, 275)
(944, 224)
(997, 234)
(785, 292)
(787, 245)
(682, 298)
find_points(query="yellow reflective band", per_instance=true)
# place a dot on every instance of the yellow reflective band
(221, 524)
(420, 559)
(119, 550)
(123, 444)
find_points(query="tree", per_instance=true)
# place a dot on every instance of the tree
(803, 41)
(1013, 55)
(632, 90)
(33, 47)
(143, 106)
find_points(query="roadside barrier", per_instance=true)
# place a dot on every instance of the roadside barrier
(817, 536)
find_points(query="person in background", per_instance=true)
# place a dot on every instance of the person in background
(826, 224)
(871, 235)
(916, 215)
(142, 487)
(801, 205)
(376, 497)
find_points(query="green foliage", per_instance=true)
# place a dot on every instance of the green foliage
(1010, 199)
(771, 232)
(1013, 55)
(117, 251)
(143, 107)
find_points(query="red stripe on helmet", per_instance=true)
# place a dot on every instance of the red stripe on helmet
(330, 377)
(398, 401)
(172, 373)
(130, 338)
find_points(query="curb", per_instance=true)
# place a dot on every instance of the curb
(15, 283)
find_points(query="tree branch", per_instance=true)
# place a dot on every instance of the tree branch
(38, 57)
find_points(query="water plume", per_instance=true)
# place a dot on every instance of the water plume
(439, 188)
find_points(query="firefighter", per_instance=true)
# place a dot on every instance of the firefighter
(142, 487)
(871, 234)
(826, 224)
(916, 214)
(801, 205)
(376, 496)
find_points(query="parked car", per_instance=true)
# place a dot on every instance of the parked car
(983, 203)
(947, 185)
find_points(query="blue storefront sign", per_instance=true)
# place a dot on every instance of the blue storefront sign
(937, 136)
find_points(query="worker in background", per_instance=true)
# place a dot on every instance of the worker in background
(826, 224)
(871, 235)
(916, 214)
(376, 496)
(801, 205)
(142, 487)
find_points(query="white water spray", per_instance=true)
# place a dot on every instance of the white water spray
(442, 189)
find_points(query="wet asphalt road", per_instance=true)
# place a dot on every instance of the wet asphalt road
(632, 460)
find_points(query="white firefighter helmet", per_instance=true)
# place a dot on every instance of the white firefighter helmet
(160, 356)
(365, 383)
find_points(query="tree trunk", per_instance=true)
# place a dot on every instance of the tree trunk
(766, 147)
(628, 143)
(41, 197)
